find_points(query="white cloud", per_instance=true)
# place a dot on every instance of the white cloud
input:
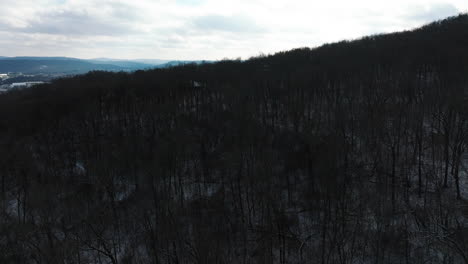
(200, 29)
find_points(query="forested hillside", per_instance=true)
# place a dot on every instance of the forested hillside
(353, 152)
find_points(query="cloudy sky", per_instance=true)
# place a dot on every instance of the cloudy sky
(200, 29)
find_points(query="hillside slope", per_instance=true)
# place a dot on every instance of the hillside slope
(353, 152)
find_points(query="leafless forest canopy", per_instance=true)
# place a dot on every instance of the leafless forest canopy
(353, 152)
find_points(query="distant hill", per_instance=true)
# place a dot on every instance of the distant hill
(131, 64)
(61, 65)
(152, 61)
(178, 63)
(65, 65)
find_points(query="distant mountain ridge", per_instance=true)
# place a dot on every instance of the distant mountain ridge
(66, 65)
(143, 61)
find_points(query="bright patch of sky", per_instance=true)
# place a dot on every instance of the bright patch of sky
(200, 29)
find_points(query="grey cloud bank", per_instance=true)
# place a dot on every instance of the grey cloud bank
(76, 23)
(199, 29)
(434, 12)
(237, 24)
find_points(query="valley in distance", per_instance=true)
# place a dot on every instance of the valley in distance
(21, 72)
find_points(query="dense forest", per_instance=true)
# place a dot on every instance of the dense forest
(352, 152)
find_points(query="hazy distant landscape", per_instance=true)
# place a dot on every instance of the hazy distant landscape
(27, 71)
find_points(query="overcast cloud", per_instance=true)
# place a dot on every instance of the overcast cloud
(200, 29)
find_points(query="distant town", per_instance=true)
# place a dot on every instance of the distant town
(9, 81)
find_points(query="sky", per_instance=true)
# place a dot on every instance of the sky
(201, 29)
